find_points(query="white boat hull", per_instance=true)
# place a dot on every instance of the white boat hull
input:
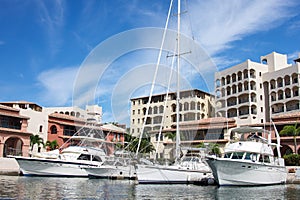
(112, 172)
(233, 172)
(52, 167)
(169, 175)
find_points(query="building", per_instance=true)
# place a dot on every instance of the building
(194, 105)
(62, 127)
(252, 92)
(192, 133)
(91, 112)
(14, 137)
(37, 120)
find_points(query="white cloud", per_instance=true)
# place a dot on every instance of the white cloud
(57, 86)
(218, 23)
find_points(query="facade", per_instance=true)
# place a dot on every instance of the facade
(193, 133)
(39, 120)
(252, 92)
(62, 127)
(91, 112)
(14, 138)
(194, 105)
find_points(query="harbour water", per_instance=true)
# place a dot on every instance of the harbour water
(19, 187)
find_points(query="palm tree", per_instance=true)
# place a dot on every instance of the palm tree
(291, 130)
(214, 149)
(145, 147)
(36, 139)
(171, 135)
(52, 144)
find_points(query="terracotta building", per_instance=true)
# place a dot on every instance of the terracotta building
(14, 138)
(62, 127)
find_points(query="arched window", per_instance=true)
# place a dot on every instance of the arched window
(53, 129)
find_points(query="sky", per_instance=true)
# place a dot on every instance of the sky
(78, 52)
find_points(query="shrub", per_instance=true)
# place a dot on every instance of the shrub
(292, 159)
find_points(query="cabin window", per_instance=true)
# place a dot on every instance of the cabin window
(248, 156)
(97, 158)
(264, 158)
(84, 157)
(227, 155)
(237, 155)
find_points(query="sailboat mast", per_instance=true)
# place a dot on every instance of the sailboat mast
(178, 85)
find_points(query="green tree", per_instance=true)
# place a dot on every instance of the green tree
(36, 139)
(132, 143)
(171, 135)
(291, 130)
(200, 145)
(214, 149)
(52, 144)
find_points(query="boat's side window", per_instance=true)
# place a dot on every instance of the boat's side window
(264, 158)
(248, 156)
(237, 155)
(97, 158)
(84, 157)
(253, 157)
(227, 155)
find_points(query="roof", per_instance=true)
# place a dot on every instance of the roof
(8, 108)
(287, 115)
(209, 121)
(19, 102)
(182, 91)
(13, 131)
(68, 117)
(113, 128)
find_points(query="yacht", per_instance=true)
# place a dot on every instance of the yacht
(191, 168)
(68, 162)
(119, 166)
(250, 161)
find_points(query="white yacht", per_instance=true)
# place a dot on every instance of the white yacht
(70, 162)
(190, 169)
(119, 166)
(249, 162)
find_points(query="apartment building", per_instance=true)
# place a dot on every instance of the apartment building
(194, 105)
(252, 92)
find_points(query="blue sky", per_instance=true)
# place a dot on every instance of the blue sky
(44, 44)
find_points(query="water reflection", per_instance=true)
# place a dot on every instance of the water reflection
(83, 188)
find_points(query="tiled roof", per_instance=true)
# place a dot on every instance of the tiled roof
(287, 115)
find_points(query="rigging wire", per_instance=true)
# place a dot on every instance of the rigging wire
(154, 78)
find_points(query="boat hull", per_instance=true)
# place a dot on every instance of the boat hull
(232, 172)
(51, 167)
(112, 172)
(169, 175)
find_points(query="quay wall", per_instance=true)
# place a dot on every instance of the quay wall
(9, 166)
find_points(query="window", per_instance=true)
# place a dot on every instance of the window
(227, 155)
(133, 112)
(41, 129)
(97, 158)
(53, 129)
(237, 155)
(84, 157)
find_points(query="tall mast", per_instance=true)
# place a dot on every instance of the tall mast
(178, 85)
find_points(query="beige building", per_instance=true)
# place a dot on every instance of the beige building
(253, 92)
(194, 105)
